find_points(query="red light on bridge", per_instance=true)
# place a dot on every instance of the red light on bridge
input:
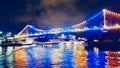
(108, 41)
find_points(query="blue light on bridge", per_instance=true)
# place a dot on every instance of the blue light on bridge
(34, 28)
(94, 16)
(83, 26)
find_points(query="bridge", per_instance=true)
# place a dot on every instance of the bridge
(104, 20)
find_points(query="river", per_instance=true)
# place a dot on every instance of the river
(58, 56)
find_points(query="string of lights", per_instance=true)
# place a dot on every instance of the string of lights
(111, 13)
(75, 27)
(84, 22)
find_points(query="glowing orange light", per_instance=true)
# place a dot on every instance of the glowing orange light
(20, 56)
(80, 24)
(104, 10)
(117, 15)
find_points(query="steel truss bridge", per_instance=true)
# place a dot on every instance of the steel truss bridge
(108, 20)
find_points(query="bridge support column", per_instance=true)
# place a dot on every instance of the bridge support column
(104, 18)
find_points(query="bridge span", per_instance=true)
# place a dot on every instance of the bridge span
(107, 22)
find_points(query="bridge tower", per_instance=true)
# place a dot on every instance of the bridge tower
(29, 30)
(104, 18)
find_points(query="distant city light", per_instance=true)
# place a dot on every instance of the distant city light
(9, 33)
(1, 32)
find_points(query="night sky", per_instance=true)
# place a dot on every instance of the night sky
(45, 14)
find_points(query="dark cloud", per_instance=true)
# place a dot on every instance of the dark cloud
(51, 13)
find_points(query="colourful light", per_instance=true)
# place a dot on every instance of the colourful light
(94, 16)
(117, 15)
(80, 24)
(32, 27)
(104, 18)
(1, 32)
(75, 28)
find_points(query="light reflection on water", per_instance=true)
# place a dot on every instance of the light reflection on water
(6, 59)
(58, 56)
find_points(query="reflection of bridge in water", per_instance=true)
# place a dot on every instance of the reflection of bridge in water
(104, 21)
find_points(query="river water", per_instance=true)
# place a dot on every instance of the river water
(58, 56)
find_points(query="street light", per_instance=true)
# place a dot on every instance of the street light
(1, 32)
(9, 33)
